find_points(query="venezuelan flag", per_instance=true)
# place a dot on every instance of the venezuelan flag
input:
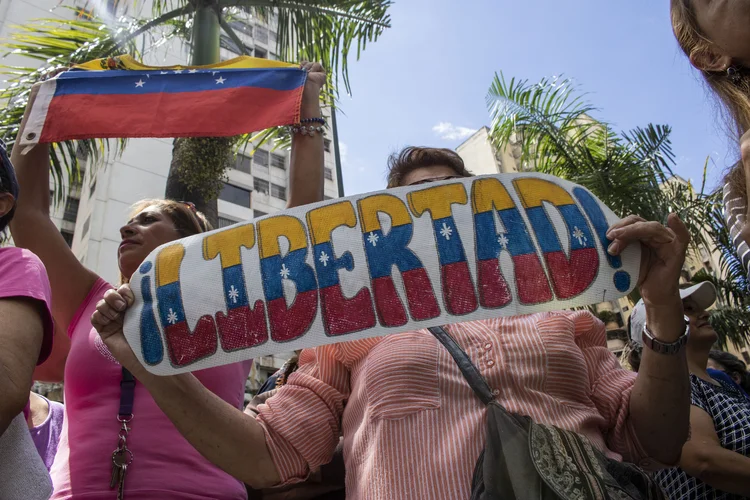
(119, 97)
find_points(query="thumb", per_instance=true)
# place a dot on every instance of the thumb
(126, 294)
(679, 228)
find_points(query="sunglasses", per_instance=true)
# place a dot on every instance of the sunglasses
(436, 179)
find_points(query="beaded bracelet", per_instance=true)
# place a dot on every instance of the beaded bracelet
(320, 120)
(306, 130)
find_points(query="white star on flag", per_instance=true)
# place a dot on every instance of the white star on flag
(193, 71)
(220, 80)
(373, 239)
(172, 317)
(503, 241)
(284, 271)
(163, 72)
(233, 294)
(139, 83)
(579, 235)
(178, 71)
(446, 231)
(324, 259)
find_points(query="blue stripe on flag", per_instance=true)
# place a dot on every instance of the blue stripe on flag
(147, 82)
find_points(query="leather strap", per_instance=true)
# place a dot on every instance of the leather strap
(127, 394)
(470, 372)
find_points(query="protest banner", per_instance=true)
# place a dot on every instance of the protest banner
(375, 264)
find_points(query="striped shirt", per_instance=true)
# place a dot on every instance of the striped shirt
(735, 214)
(413, 428)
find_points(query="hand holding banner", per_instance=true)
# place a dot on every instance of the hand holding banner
(374, 264)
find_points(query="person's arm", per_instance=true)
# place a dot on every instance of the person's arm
(306, 177)
(297, 430)
(704, 458)
(21, 334)
(660, 400)
(33, 229)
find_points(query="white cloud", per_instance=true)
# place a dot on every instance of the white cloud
(343, 152)
(449, 132)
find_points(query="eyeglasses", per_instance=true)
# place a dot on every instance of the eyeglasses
(436, 179)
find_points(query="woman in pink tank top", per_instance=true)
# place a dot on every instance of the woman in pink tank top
(164, 465)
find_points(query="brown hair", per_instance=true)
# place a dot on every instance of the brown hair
(734, 94)
(185, 218)
(413, 157)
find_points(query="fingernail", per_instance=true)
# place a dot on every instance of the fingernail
(120, 304)
(612, 233)
(613, 248)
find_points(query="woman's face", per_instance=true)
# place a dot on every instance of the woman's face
(700, 329)
(727, 24)
(141, 235)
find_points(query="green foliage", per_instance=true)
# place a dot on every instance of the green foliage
(203, 162)
(606, 316)
(630, 172)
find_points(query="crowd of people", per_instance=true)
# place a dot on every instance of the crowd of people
(390, 417)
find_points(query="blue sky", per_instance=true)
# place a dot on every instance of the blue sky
(437, 61)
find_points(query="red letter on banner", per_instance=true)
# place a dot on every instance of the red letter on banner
(340, 314)
(458, 289)
(387, 250)
(287, 322)
(241, 327)
(184, 347)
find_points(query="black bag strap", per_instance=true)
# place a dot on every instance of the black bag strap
(470, 372)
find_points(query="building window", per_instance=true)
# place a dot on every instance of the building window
(329, 174)
(327, 145)
(260, 185)
(261, 34)
(67, 236)
(71, 209)
(258, 213)
(278, 161)
(85, 229)
(278, 191)
(81, 151)
(262, 53)
(236, 195)
(261, 158)
(243, 163)
(226, 221)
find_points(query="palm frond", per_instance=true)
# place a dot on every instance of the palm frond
(327, 31)
(60, 43)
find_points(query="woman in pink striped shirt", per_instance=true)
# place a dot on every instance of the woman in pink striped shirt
(412, 427)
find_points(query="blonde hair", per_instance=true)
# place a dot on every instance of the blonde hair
(734, 94)
(186, 219)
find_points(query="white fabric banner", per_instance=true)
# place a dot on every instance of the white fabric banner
(374, 264)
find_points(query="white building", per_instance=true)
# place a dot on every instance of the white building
(91, 214)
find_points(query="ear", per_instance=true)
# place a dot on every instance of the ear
(6, 203)
(708, 60)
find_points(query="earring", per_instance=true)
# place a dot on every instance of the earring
(734, 74)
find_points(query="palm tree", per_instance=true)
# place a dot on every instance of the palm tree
(550, 122)
(318, 30)
(632, 172)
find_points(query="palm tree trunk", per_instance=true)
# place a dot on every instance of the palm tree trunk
(205, 50)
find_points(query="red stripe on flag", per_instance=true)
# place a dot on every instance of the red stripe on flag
(224, 112)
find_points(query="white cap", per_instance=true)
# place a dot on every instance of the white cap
(703, 294)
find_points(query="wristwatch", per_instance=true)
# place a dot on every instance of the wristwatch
(668, 348)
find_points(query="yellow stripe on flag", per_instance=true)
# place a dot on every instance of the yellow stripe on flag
(128, 63)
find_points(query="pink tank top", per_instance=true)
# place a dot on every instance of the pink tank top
(166, 466)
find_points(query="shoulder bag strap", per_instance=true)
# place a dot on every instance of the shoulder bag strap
(470, 372)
